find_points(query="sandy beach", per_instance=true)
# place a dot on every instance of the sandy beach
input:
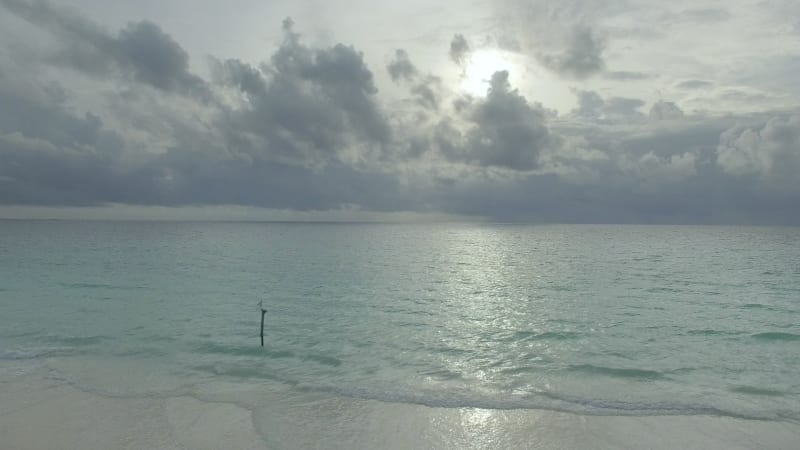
(39, 412)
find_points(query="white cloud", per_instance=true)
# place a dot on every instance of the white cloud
(771, 152)
(672, 169)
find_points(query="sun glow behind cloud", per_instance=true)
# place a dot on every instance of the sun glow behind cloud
(480, 67)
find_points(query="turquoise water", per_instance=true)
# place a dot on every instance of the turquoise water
(607, 320)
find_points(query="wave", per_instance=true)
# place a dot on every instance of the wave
(521, 370)
(239, 371)
(547, 335)
(759, 306)
(78, 341)
(12, 355)
(255, 351)
(664, 289)
(322, 359)
(777, 336)
(459, 398)
(752, 390)
(548, 401)
(636, 374)
(470, 398)
(443, 374)
(141, 351)
(755, 306)
(709, 332)
(101, 286)
(241, 350)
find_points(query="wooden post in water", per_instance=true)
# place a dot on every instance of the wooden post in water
(263, 311)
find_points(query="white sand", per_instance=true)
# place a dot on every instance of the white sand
(36, 413)
(40, 413)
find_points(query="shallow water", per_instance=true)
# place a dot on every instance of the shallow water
(602, 320)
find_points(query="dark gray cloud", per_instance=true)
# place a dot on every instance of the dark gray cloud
(745, 96)
(428, 92)
(699, 15)
(50, 155)
(40, 173)
(154, 58)
(592, 106)
(663, 110)
(627, 76)
(306, 105)
(622, 106)
(459, 48)
(282, 146)
(401, 67)
(695, 84)
(582, 57)
(68, 159)
(505, 130)
(141, 50)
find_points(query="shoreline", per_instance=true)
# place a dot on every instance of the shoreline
(39, 412)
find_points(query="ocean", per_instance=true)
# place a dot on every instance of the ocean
(586, 320)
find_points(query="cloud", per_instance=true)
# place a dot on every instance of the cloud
(50, 155)
(426, 89)
(627, 76)
(569, 37)
(459, 48)
(785, 12)
(45, 174)
(428, 92)
(141, 50)
(504, 130)
(623, 107)
(771, 152)
(592, 106)
(305, 129)
(293, 138)
(154, 58)
(401, 67)
(582, 57)
(663, 110)
(66, 159)
(702, 15)
(694, 84)
(307, 105)
(669, 169)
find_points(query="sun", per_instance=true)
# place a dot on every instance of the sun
(480, 67)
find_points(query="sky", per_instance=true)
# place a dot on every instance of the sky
(565, 111)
